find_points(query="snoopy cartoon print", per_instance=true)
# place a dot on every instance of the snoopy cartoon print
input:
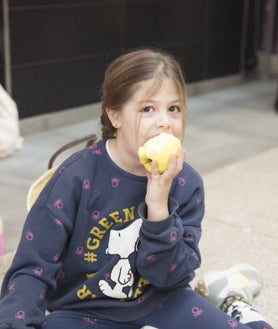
(123, 243)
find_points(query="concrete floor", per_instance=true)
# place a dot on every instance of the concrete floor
(232, 139)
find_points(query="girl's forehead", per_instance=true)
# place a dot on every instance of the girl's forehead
(147, 89)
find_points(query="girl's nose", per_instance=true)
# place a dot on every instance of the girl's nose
(163, 121)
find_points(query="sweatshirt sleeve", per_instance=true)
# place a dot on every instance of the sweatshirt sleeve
(168, 252)
(32, 275)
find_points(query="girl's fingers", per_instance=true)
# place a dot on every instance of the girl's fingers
(154, 168)
(181, 156)
(176, 162)
(174, 166)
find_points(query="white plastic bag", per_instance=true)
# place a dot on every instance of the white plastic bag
(10, 139)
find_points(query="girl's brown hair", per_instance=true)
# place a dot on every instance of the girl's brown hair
(129, 69)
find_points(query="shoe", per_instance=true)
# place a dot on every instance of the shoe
(242, 280)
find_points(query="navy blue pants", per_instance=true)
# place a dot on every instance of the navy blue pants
(185, 310)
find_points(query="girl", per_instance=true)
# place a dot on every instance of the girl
(108, 245)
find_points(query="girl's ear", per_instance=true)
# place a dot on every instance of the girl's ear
(114, 117)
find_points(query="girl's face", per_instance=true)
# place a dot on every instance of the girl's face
(146, 115)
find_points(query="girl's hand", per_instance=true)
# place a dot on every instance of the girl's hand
(159, 185)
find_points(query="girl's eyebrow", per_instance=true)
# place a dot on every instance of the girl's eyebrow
(174, 101)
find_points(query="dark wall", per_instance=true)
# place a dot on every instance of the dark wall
(59, 49)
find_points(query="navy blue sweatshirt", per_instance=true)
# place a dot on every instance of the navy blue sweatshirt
(87, 244)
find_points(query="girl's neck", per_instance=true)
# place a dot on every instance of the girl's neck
(122, 159)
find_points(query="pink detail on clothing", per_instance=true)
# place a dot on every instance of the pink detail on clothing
(173, 267)
(198, 201)
(141, 300)
(95, 214)
(58, 203)
(86, 184)
(115, 181)
(189, 237)
(79, 251)
(151, 258)
(89, 320)
(29, 235)
(56, 257)
(97, 151)
(232, 323)
(38, 271)
(194, 255)
(20, 315)
(62, 168)
(173, 236)
(42, 295)
(196, 311)
(181, 181)
(58, 222)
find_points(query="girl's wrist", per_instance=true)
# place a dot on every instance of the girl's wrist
(157, 213)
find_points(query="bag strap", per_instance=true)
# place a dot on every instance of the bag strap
(90, 139)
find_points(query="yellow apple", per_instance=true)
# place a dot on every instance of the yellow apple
(158, 148)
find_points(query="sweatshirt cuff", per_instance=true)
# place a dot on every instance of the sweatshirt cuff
(158, 226)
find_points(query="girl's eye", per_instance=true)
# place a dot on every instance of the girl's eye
(147, 109)
(174, 108)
